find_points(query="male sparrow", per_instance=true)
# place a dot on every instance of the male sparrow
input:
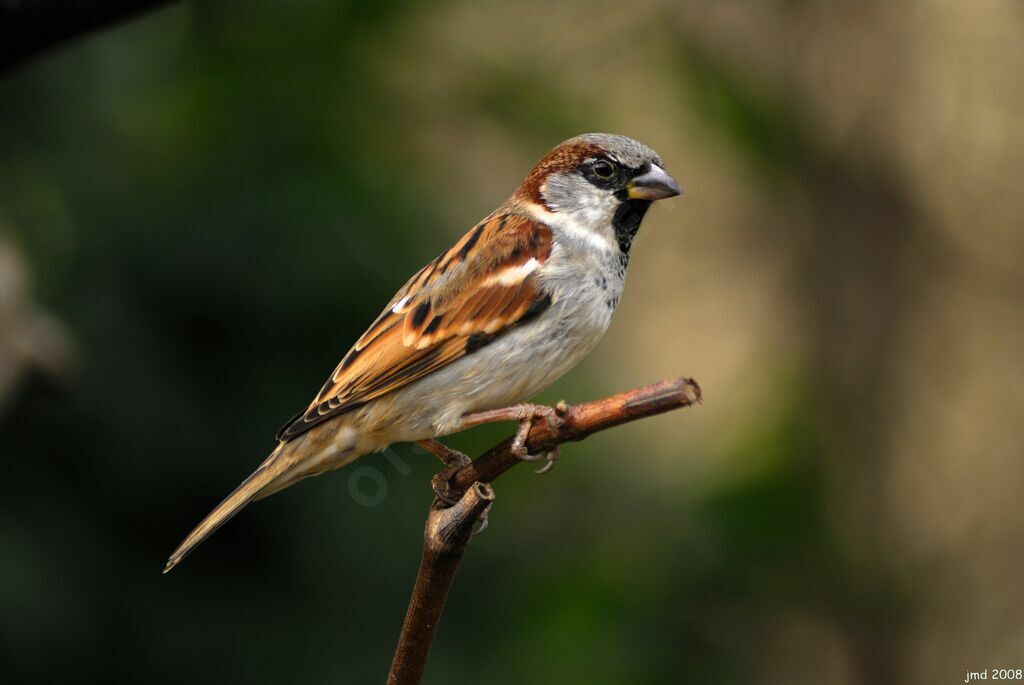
(498, 317)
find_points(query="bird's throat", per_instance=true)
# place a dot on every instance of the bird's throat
(626, 222)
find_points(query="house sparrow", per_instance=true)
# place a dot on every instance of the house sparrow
(498, 317)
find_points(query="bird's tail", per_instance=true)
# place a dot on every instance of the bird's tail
(255, 486)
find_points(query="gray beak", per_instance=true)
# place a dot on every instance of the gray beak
(654, 185)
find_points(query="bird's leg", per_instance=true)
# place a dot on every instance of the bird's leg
(453, 461)
(525, 414)
(443, 452)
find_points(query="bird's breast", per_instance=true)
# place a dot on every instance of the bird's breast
(588, 284)
(518, 364)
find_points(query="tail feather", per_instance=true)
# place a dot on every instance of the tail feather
(251, 488)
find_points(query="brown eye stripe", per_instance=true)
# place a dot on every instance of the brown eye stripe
(562, 158)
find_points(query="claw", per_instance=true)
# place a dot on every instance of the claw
(442, 489)
(526, 414)
(555, 417)
(552, 457)
(484, 520)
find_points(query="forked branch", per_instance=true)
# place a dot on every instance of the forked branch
(449, 529)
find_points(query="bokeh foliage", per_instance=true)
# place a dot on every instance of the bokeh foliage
(201, 209)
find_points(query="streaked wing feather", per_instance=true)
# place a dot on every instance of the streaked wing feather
(479, 288)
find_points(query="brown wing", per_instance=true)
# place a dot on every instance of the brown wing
(461, 301)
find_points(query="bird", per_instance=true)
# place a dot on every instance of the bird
(519, 300)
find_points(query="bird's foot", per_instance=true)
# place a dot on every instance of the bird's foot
(550, 455)
(555, 416)
(526, 415)
(453, 461)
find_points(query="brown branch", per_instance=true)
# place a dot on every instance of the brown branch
(445, 538)
(581, 421)
(449, 529)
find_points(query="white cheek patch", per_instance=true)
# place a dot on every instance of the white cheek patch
(572, 226)
(583, 233)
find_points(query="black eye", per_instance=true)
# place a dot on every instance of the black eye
(603, 169)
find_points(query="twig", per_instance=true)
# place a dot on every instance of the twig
(449, 529)
(445, 538)
(581, 421)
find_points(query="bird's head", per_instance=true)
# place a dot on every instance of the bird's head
(598, 184)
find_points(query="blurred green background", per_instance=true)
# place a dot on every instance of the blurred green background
(201, 209)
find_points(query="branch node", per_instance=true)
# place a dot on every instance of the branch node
(449, 528)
